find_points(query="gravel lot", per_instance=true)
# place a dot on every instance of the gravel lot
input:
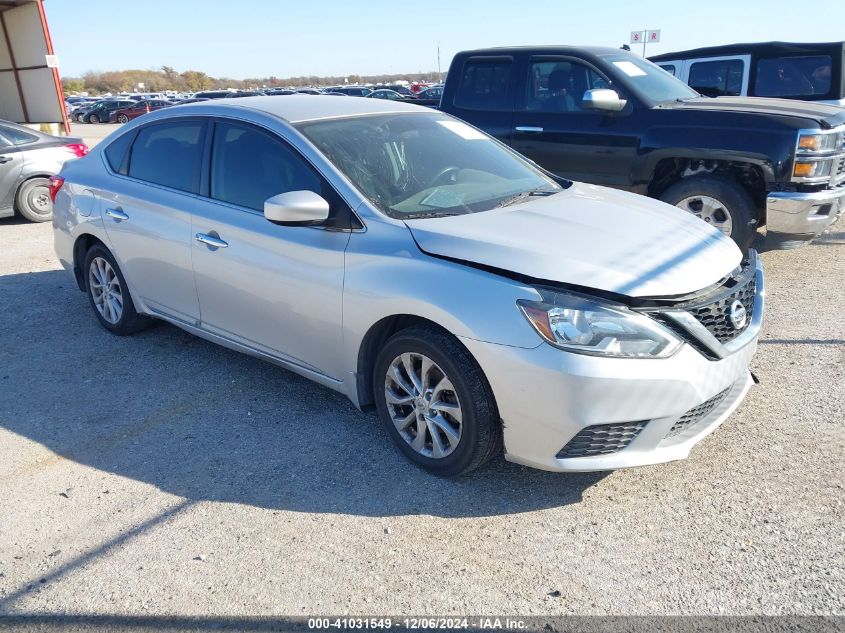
(160, 475)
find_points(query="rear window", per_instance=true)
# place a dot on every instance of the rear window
(169, 154)
(717, 78)
(793, 76)
(485, 85)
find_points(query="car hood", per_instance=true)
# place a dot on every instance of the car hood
(588, 236)
(826, 115)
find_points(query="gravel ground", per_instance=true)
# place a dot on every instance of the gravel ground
(160, 475)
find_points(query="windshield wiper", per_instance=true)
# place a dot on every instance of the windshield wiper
(540, 191)
(428, 214)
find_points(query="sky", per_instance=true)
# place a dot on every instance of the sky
(284, 38)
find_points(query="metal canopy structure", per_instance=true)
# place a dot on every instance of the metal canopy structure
(30, 88)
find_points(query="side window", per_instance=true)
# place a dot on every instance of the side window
(4, 143)
(717, 78)
(669, 68)
(169, 154)
(485, 85)
(117, 153)
(17, 137)
(793, 76)
(248, 166)
(559, 85)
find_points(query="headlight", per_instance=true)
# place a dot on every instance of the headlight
(587, 326)
(817, 142)
(811, 170)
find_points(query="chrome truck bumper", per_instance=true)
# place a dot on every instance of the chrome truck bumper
(793, 218)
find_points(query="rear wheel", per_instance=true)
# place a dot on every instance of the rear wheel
(109, 295)
(435, 402)
(33, 200)
(122, 118)
(718, 201)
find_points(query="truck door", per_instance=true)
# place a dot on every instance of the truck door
(552, 128)
(485, 94)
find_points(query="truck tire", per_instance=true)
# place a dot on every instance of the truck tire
(718, 201)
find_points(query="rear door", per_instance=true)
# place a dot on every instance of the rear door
(147, 212)
(11, 163)
(725, 76)
(553, 129)
(485, 94)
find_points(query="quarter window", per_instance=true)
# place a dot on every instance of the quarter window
(485, 85)
(17, 137)
(117, 153)
(717, 78)
(559, 85)
(169, 154)
(248, 166)
(793, 76)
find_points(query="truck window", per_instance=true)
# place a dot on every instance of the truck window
(793, 76)
(559, 85)
(718, 77)
(485, 85)
(669, 68)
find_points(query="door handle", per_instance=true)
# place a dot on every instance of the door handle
(117, 214)
(528, 128)
(5, 159)
(210, 240)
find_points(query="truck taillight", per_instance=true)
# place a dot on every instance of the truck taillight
(56, 183)
(79, 149)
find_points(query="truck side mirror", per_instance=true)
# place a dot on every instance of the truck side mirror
(603, 99)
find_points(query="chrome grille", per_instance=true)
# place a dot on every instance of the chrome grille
(696, 414)
(601, 439)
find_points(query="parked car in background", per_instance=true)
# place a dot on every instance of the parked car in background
(432, 92)
(100, 111)
(609, 117)
(403, 90)
(354, 91)
(390, 95)
(786, 70)
(280, 92)
(309, 91)
(191, 100)
(124, 115)
(27, 160)
(213, 94)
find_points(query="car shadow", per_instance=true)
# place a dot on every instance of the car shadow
(205, 423)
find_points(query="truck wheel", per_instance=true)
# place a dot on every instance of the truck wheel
(718, 201)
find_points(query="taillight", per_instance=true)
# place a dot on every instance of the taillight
(56, 183)
(79, 149)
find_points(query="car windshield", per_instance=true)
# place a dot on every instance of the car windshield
(426, 165)
(649, 81)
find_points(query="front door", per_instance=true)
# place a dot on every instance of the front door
(553, 129)
(11, 162)
(276, 289)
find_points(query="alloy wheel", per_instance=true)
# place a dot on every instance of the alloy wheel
(105, 290)
(423, 405)
(710, 210)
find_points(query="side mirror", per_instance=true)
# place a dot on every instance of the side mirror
(296, 208)
(603, 99)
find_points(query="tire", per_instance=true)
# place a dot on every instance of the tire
(122, 118)
(731, 200)
(479, 428)
(93, 118)
(33, 200)
(129, 321)
(80, 118)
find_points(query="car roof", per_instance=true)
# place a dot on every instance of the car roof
(301, 107)
(762, 48)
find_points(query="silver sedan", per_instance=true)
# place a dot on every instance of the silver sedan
(411, 262)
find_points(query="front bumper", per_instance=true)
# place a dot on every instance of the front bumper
(796, 217)
(546, 397)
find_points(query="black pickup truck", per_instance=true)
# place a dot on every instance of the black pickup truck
(609, 117)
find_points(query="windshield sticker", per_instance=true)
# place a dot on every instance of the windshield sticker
(441, 199)
(630, 69)
(463, 130)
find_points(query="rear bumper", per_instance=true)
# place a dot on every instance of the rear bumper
(796, 217)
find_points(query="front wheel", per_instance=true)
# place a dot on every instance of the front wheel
(436, 402)
(109, 295)
(720, 202)
(93, 118)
